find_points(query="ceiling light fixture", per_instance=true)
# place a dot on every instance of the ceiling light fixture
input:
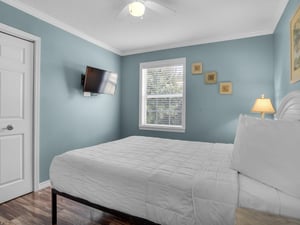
(136, 8)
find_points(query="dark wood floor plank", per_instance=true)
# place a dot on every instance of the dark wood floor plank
(35, 209)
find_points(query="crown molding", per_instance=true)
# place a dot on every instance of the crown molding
(279, 13)
(51, 20)
(207, 40)
(42, 16)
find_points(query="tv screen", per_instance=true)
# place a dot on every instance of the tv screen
(99, 81)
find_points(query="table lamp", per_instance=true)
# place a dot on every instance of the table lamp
(263, 105)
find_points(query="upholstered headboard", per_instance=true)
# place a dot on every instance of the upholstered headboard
(289, 108)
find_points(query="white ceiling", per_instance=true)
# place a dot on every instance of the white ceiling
(193, 22)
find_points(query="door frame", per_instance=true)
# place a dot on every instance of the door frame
(36, 95)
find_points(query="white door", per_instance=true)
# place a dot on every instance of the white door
(16, 117)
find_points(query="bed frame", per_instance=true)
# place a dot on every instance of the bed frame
(289, 109)
(132, 219)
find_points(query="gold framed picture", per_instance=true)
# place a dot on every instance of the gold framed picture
(225, 88)
(210, 77)
(197, 68)
(295, 47)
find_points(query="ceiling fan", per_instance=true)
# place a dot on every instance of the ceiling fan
(137, 8)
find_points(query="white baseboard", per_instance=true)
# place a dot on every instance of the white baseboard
(44, 184)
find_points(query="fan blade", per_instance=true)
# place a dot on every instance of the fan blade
(124, 12)
(157, 7)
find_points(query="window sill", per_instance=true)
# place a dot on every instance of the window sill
(178, 129)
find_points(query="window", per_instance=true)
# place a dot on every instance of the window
(162, 95)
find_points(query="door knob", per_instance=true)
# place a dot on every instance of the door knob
(9, 127)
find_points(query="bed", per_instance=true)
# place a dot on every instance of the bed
(168, 182)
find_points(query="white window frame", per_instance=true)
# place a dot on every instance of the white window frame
(142, 116)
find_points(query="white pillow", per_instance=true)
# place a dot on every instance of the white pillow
(269, 151)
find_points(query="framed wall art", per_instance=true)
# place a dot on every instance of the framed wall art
(197, 68)
(210, 77)
(295, 47)
(225, 88)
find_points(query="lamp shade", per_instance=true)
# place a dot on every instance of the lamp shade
(136, 9)
(263, 105)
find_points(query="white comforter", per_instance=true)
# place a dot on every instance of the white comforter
(169, 182)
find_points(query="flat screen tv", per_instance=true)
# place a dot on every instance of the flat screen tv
(99, 81)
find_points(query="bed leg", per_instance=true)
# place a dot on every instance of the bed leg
(54, 206)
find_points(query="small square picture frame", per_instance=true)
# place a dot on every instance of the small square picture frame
(210, 77)
(225, 88)
(197, 68)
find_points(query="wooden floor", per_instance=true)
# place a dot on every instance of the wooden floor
(35, 209)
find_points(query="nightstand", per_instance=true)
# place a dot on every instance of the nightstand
(252, 217)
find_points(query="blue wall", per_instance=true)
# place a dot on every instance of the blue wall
(282, 53)
(211, 117)
(68, 120)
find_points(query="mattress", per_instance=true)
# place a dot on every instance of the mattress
(256, 195)
(169, 182)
